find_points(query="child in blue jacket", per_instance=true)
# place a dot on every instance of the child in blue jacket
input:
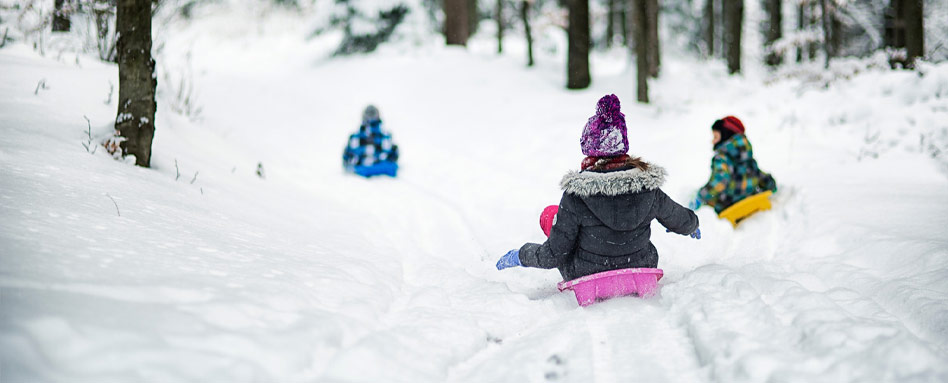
(370, 151)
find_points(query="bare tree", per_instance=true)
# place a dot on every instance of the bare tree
(914, 31)
(774, 31)
(61, 16)
(525, 16)
(135, 123)
(651, 20)
(640, 43)
(801, 24)
(456, 29)
(709, 38)
(733, 21)
(577, 60)
(500, 26)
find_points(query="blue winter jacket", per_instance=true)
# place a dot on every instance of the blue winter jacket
(370, 147)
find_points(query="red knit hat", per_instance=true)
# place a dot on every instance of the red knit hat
(733, 124)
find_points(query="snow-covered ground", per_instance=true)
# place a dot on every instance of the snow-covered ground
(198, 270)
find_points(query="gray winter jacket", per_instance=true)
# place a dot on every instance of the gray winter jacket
(604, 221)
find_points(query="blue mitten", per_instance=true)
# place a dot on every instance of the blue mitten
(696, 234)
(511, 259)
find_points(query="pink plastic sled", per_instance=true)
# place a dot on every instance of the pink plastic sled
(597, 287)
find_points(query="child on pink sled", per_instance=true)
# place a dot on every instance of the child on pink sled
(599, 233)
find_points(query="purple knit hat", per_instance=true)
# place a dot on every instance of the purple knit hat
(605, 133)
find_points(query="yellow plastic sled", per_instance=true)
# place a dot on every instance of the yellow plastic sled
(746, 207)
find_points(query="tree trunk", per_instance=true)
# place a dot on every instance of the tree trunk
(812, 47)
(914, 31)
(709, 27)
(624, 22)
(137, 81)
(500, 26)
(774, 31)
(827, 31)
(61, 16)
(456, 29)
(801, 23)
(525, 16)
(837, 37)
(654, 56)
(639, 40)
(577, 62)
(610, 22)
(733, 20)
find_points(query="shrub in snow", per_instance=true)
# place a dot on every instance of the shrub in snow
(364, 28)
(363, 34)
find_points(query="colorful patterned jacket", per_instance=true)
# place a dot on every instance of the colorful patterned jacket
(369, 146)
(734, 175)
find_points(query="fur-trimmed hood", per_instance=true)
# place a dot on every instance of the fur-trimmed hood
(587, 183)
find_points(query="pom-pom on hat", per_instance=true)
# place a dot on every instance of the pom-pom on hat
(605, 133)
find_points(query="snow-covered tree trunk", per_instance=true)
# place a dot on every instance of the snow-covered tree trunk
(577, 60)
(733, 20)
(135, 123)
(456, 30)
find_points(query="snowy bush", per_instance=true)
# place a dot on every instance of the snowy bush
(363, 33)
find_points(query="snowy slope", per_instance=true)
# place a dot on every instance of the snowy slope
(313, 275)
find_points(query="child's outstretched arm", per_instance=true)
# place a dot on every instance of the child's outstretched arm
(720, 176)
(673, 216)
(558, 248)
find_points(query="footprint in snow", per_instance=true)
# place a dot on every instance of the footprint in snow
(555, 368)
